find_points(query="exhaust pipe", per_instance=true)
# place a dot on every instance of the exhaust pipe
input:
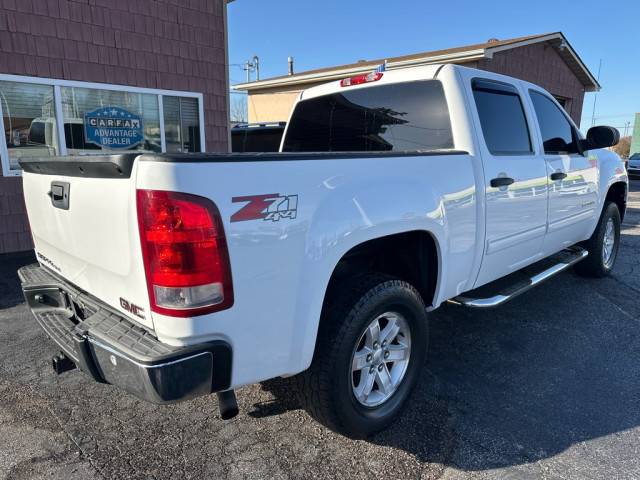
(61, 363)
(228, 404)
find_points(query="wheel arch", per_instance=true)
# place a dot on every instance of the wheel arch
(617, 194)
(397, 254)
(410, 256)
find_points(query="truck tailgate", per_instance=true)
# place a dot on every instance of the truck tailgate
(82, 212)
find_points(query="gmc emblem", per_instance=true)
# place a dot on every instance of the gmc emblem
(131, 308)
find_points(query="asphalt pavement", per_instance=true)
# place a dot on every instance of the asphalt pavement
(547, 386)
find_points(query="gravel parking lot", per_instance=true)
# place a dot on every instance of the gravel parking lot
(547, 386)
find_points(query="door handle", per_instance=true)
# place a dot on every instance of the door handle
(558, 176)
(501, 182)
(56, 193)
(59, 195)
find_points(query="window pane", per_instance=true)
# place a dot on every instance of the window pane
(557, 134)
(29, 121)
(106, 120)
(181, 124)
(398, 117)
(172, 130)
(501, 117)
(257, 138)
(190, 124)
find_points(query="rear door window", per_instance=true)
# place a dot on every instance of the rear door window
(502, 118)
(406, 116)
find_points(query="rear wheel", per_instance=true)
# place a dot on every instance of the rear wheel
(603, 244)
(369, 354)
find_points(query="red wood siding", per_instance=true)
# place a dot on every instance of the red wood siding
(172, 45)
(540, 64)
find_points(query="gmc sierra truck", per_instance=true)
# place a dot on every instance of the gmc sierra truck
(174, 276)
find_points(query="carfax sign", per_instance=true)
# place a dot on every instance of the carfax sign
(113, 127)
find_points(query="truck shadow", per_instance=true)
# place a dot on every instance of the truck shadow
(523, 382)
(516, 384)
(10, 291)
(632, 217)
(284, 398)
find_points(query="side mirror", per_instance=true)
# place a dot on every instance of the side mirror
(602, 137)
(555, 144)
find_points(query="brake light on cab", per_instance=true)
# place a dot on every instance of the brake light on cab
(358, 79)
(185, 254)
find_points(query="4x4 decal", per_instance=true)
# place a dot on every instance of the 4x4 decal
(271, 207)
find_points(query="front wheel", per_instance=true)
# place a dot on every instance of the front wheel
(369, 354)
(603, 244)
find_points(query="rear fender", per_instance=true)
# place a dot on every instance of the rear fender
(343, 221)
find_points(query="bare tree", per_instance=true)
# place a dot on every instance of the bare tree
(623, 147)
(238, 111)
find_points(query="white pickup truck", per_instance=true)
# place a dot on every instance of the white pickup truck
(173, 276)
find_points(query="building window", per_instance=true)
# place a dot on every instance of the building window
(28, 114)
(49, 117)
(564, 102)
(101, 120)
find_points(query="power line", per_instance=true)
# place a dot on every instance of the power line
(613, 116)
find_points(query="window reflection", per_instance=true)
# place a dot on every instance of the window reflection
(181, 124)
(29, 121)
(76, 102)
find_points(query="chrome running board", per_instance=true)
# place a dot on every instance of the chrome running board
(504, 289)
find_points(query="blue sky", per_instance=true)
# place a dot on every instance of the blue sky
(333, 32)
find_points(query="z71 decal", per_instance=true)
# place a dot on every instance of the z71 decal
(270, 207)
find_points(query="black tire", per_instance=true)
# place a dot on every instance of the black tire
(352, 312)
(602, 253)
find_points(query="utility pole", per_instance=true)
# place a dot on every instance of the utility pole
(251, 66)
(248, 69)
(595, 97)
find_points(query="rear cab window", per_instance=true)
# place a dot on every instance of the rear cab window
(257, 137)
(408, 116)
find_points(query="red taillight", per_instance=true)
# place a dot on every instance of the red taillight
(185, 254)
(357, 80)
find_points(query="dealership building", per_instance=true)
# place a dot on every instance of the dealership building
(547, 60)
(80, 78)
